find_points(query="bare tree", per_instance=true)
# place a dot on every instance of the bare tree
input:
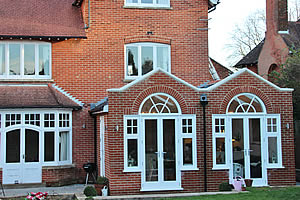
(247, 35)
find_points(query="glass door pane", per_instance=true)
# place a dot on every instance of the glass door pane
(255, 148)
(13, 146)
(238, 148)
(169, 162)
(151, 150)
(31, 146)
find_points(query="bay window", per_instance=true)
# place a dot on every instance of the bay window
(142, 58)
(25, 60)
(148, 3)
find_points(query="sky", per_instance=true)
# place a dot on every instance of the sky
(222, 22)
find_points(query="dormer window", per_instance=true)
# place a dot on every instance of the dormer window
(147, 3)
(25, 60)
(142, 58)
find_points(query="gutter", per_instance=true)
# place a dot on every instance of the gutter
(89, 16)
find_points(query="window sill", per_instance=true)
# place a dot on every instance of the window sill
(26, 80)
(189, 169)
(128, 80)
(275, 167)
(59, 166)
(132, 170)
(220, 168)
(148, 7)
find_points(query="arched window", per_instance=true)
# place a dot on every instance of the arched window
(160, 103)
(246, 103)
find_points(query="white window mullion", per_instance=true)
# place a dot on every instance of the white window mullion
(22, 60)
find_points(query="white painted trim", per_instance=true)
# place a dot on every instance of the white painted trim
(139, 4)
(163, 94)
(67, 94)
(36, 76)
(238, 73)
(211, 88)
(25, 85)
(136, 81)
(246, 113)
(284, 32)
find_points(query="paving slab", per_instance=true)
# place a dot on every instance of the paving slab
(64, 190)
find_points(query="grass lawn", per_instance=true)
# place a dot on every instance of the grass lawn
(284, 193)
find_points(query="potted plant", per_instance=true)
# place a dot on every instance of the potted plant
(100, 183)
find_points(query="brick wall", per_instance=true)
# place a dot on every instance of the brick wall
(127, 102)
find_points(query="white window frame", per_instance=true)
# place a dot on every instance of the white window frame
(142, 5)
(187, 167)
(139, 46)
(227, 142)
(6, 74)
(137, 137)
(277, 135)
(42, 131)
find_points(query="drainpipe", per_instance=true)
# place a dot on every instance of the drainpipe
(204, 102)
(95, 143)
(89, 16)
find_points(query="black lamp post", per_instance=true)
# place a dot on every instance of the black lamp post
(204, 102)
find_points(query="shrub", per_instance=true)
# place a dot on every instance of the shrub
(90, 191)
(225, 186)
(102, 180)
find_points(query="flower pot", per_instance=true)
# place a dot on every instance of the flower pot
(248, 182)
(99, 188)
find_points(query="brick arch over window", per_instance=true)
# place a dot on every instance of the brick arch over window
(147, 38)
(245, 89)
(159, 89)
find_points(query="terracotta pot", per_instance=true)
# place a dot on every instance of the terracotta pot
(99, 188)
(248, 182)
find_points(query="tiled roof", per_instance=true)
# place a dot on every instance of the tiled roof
(40, 18)
(292, 39)
(252, 57)
(33, 96)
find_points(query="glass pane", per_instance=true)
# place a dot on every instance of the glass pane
(255, 148)
(147, 1)
(2, 59)
(132, 61)
(31, 146)
(49, 146)
(220, 150)
(63, 146)
(132, 153)
(234, 104)
(131, 1)
(14, 59)
(44, 60)
(272, 149)
(147, 59)
(163, 58)
(169, 150)
(187, 151)
(162, 1)
(151, 150)
(238, 148)
(29, 59)
(13, 146)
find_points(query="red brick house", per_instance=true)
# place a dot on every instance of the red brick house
(160, 122)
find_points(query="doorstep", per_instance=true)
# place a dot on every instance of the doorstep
(153, 196)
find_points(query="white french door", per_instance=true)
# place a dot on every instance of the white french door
(161, 164)
(22, 156)
(248, 150)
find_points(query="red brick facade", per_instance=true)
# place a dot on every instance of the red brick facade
(128, 102)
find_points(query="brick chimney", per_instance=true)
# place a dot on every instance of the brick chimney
(277, 16)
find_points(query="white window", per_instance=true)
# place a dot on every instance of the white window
(274, 141)
(25, 60)
(219, 142)
(188, 142)
(131, 144)
(148, 3)
(142, 58)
